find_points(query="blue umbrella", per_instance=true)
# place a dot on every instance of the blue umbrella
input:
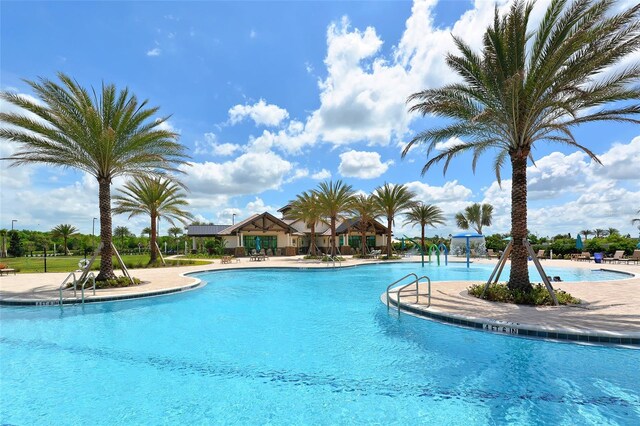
(258, 243)
(402, 243)
(579, 244)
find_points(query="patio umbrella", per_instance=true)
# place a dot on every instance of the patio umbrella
(402, 243)
(579, 244)
(258, 243)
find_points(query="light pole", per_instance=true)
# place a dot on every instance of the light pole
(13, 220)
(233, 219)
(93, 234)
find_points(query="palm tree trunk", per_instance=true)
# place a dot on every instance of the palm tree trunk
(423, 247)
(153, 236)
(312, 243)
(333, 235)
(106, 264)
(389, 225)
(519, 275)
(66, 252)
(364, 238)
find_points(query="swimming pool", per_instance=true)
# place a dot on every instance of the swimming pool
(295, 347)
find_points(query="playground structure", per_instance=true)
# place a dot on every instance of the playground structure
(464, 242)
(433, 248)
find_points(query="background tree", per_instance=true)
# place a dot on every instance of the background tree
(15, 245)
(392, 200)
(475, 216)
(529, 86)
(175, 232)
(154, 196)
(306, 208)
(121, 232)
(586, 233)
(3, 242)
(64, 231)
(636, 221)
(424, 215)
(599, 233)
(366, 209)
(333, 199)
(107, 135)
(613, 231)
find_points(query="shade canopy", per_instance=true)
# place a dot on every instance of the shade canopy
(468, 237)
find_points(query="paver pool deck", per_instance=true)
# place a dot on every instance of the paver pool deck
(610, 308)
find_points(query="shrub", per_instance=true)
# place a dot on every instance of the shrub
(538, 296)
(118, 282)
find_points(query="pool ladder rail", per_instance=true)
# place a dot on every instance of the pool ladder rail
(76, 283)
(406, 290)
(334, 259)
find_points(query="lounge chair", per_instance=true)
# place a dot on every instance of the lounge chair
(585, 256)
(491, 253)
(225, 259)
(617, 257)
(540, 254)
(635, 257)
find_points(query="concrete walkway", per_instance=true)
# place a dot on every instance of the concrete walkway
(608, 306)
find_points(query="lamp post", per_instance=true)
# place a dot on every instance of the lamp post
(12, 221)
(93, 234)
(233, 219)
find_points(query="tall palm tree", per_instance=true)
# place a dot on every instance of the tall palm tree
(424, 215)
(636, 221)
(392, 200)
(586, 233)
(175, 232)
(106, 135)
(306, 207)
(64, 231)
(366, 209)
(526, 87)
(121, 232)
(156, 197)
(333, 199)
(614, 231)
(475, 216)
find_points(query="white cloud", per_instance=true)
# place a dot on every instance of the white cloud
(154, 52)
(260, 112)
(362, 164)
(621, 161)
(250, 173)
(253, 33)
(211, 146)
(321, 175)
(451, 142)
(451, 191)
(299, 173)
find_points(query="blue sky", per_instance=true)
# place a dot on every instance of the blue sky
(273, 97)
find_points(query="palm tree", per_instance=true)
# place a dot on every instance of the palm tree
(122, 232)
(175, 232)
(156, 197)
(366, 209)
(64, 231)
(586, 233)
(528, 87)
(333, 199)
(613, 231)
(475, 216)
(424, 215)
(391, 200)
(107, 135)
(600, 233)
(636, 221)
(306, 207)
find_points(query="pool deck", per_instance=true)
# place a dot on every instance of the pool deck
(609, 308)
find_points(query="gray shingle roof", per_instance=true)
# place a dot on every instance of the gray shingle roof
(205, 230)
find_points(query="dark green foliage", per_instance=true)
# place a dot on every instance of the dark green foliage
(118, 282)
(15, 245)
(538, 296)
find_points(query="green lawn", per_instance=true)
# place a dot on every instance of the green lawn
(70, 263)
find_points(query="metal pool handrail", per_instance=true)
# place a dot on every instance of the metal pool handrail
(396, 282)
(62, 286)
(334, 258)
(91, 277)
(404, 288)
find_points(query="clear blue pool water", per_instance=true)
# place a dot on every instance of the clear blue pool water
(296, 347)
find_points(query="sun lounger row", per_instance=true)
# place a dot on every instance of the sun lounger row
(618, 257)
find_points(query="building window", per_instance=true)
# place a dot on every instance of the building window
(355, 241)
(266, 241)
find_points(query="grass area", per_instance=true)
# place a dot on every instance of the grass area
(70, 263)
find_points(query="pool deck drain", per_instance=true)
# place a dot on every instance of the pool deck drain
(610, 309)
